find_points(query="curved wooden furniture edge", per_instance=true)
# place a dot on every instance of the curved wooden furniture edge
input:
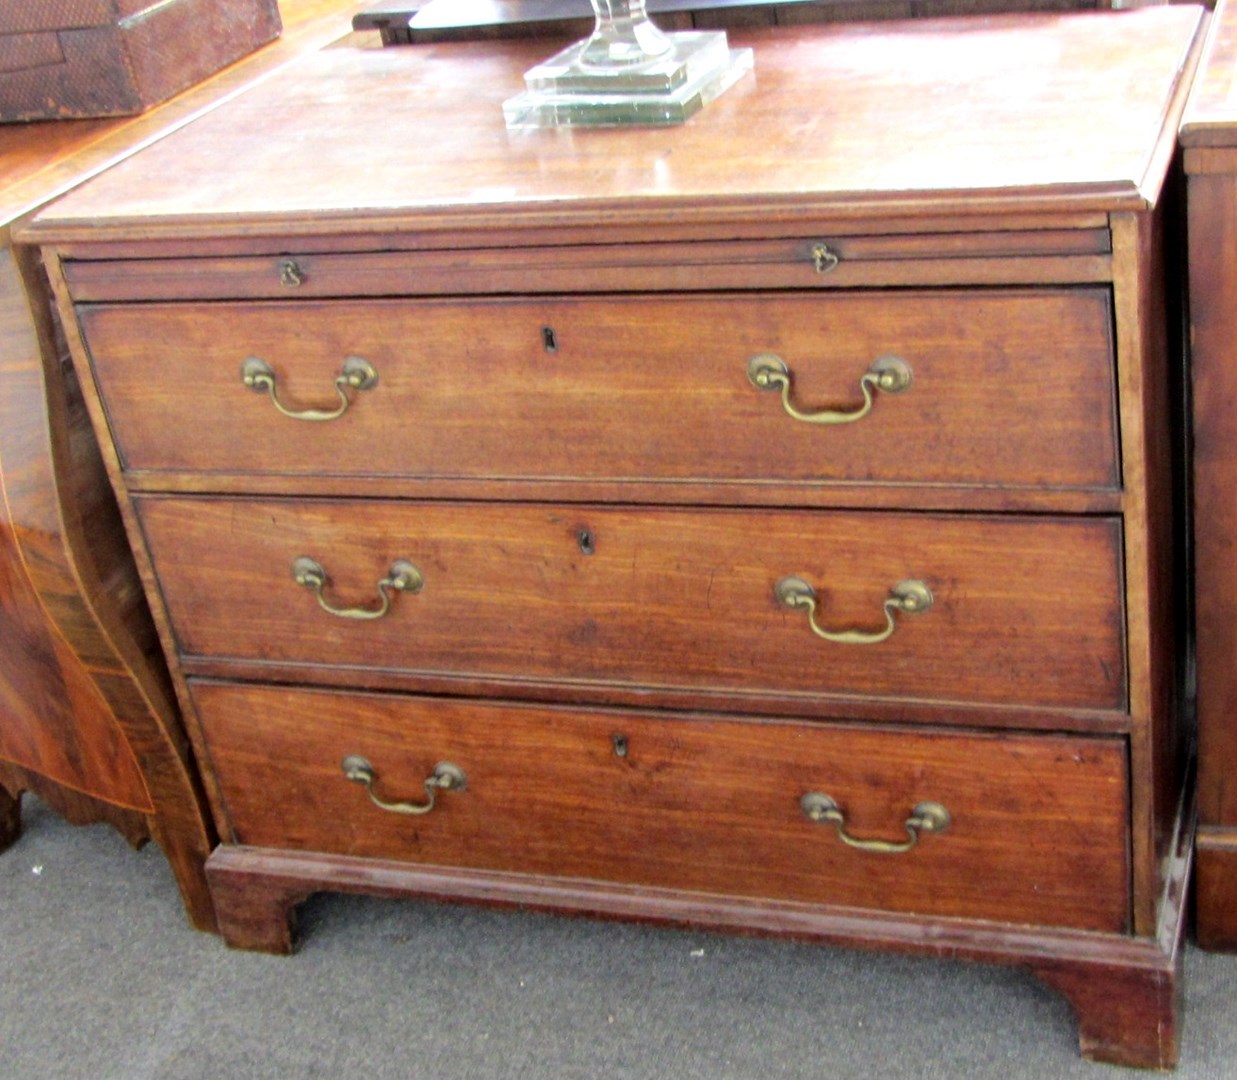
(68, 546)
(75, 807)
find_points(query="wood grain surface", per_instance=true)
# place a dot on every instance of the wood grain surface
(39, 161)
(1052, 616)
(624, 388)
(931, 252)
(87, 716)
(697, 803)
(1210, 117)
(1211, 120)
(1055, 116)
(56, 720)
(1026, 611)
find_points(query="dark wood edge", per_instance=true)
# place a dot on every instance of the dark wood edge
(1158, 755)
(596, 694)
(789, 210)
(498, 237)
(366, 280)
(401, 15)
(808, 495)
(10, 817)
(1157, 171)
(1130, 1015)
(146, 710)
(386, 15)
(304, 874)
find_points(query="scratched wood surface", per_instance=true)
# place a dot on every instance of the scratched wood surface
(833, 120)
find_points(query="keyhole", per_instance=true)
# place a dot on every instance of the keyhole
(587, 544)
(620, 745)
(549, 339)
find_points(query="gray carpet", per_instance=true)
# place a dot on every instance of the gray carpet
(102, 978)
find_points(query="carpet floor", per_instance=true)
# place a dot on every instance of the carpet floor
(104, 979)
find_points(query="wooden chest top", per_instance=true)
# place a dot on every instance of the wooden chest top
(1210, 117)
(1072, 113)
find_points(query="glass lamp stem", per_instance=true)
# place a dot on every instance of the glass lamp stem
(624, 36)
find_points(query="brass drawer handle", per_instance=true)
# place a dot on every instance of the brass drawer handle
(445, 777)
(403, 577)
(927, 817)
(909, 597)
(889, 374)
(356, 374)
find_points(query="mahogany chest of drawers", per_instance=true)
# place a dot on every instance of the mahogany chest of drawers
(758, 524)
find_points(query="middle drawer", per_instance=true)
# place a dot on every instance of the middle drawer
(806, 604)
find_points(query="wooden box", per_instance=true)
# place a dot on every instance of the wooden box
(78, 58)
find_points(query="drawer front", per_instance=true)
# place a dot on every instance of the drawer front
(1036, 827)
(1005, 388)
(1023, 611)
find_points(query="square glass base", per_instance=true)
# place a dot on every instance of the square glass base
(562, 92)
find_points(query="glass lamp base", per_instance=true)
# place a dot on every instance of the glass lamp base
(564, 92)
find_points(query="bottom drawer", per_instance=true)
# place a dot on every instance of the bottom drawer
(1036, 828)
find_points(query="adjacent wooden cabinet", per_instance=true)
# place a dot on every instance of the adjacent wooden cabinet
(88, 717)
(758, 524)
(1209, 136)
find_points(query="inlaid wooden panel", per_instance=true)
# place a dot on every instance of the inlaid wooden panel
(1037, 829)
(54, 717)
(1025, 611)
(624, 388)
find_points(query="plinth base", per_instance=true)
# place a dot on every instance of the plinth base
(563, 92)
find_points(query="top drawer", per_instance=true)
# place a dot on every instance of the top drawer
(1010, 388)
